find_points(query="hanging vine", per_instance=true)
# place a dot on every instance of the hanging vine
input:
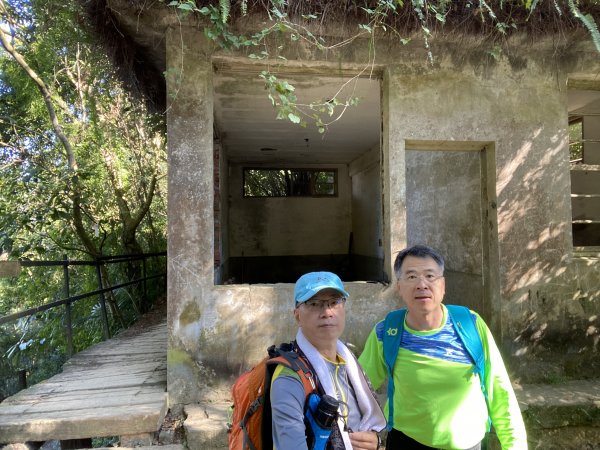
(397, 18)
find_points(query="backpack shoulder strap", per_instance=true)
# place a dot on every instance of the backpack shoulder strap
(393, 326)
(299, 364)
(296, 362)
(464, 324)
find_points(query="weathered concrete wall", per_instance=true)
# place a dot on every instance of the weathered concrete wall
(558, 334)
(537, 293)
(528, 129)
(190, 212)
(289, 225)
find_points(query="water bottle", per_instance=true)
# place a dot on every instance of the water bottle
(320, 417)
(326, 413)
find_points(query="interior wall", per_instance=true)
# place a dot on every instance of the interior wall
(367, 228)
(289, 225)
(365, 174)
(224, 215)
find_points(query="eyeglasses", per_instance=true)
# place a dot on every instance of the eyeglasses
(428, 278)
(319, 305)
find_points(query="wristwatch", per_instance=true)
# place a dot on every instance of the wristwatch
(378, 440)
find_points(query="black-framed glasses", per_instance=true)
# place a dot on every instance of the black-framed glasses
(319, 305)
(428, 278)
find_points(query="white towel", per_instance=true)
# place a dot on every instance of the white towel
(372, 415)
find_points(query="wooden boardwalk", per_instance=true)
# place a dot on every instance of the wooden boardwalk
(115, 388)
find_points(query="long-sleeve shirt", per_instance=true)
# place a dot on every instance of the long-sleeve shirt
(437, 398)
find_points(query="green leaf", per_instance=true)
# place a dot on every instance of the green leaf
(293, 118)
(588, 22)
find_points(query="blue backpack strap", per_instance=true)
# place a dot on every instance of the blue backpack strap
(393, 326)
(464, 324)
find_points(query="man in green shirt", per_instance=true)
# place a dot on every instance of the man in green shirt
(438, 399)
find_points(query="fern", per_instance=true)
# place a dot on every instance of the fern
(588, 21)
(244, 7)
(225, 6)
(557, 8)
(483, 5)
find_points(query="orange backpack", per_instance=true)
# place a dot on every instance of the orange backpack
(250, 422)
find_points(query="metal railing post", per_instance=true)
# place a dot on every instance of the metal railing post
(105, 328)
(67, 293)
(144, 291)
(22, 379)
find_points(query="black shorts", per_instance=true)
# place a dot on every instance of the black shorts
(397, 440)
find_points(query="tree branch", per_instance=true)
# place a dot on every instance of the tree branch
(45, 91)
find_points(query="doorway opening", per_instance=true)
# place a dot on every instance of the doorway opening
(451, 206)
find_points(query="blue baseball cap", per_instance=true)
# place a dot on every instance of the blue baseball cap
(311, 283)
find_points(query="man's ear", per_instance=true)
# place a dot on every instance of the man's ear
(297, 315)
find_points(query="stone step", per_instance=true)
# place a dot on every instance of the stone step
(147, 447)
(562, 416)
(57, 446)
(206, 426)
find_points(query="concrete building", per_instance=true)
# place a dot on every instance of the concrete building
(469, 154)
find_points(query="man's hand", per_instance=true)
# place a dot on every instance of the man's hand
(364, 440)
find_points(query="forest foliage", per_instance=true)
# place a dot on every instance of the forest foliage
(82, 175)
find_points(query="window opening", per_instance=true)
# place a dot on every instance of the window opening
(585, 179)
(279, 182)
(576, 140)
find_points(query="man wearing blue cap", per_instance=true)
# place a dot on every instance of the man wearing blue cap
(319, 311)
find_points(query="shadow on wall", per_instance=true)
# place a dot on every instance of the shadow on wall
(553, 314)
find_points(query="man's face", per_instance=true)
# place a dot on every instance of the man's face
(421, 284)
(322, 319)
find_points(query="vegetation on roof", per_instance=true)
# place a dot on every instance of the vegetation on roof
(492, 22)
